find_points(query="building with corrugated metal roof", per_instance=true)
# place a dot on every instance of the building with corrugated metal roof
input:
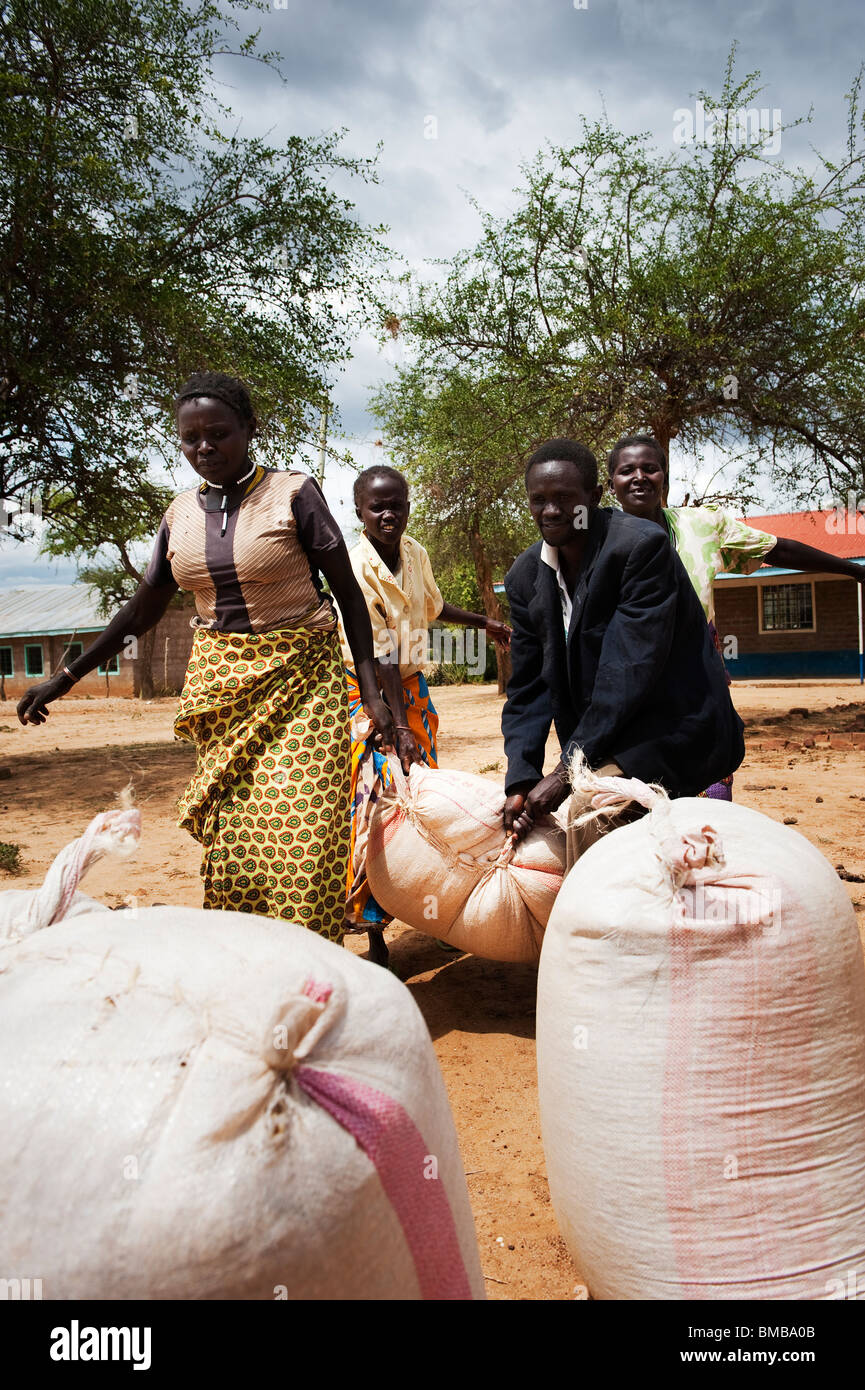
(45, 626)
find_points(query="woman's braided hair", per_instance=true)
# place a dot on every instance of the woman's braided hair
(228, 389)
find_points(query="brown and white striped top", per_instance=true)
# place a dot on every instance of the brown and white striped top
(262, 574)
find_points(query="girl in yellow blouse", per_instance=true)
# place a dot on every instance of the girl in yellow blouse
(396, 579)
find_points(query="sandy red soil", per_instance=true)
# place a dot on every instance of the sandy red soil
(480, 1013)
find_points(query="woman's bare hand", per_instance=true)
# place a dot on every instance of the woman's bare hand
(407, 749)
(382, 720)
(33, 705)
(500, 632)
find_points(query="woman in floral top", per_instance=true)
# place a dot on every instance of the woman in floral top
(709, 540)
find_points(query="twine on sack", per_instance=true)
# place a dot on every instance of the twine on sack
(111, 832)
(683, 853)
(402, 792)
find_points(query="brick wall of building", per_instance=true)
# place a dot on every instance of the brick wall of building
(169, 645)
(835, 610)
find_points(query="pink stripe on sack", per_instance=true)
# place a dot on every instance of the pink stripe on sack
(678, 1107)
(700, 1102)
(395, 1147)
(383, 831)
(318, 990)
(469, 814)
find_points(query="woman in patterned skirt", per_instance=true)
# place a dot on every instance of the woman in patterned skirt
(265, 699)
(709, 540)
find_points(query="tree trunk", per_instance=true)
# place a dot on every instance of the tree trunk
(492, 607)
(663, 433)
(145, 665)
(664, 430)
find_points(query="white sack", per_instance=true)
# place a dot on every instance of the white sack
(701, 1061)
(206, 1105)
(25, 910)
(438, 859)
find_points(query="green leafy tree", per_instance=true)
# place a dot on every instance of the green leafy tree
(141, 237)
(712, 296)
(457, 438)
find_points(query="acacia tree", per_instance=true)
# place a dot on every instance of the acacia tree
(457, 439)
(712, 295)
(141, 238)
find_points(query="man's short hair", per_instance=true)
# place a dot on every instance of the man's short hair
(569, 451)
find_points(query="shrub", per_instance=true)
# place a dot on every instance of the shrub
(10, 858)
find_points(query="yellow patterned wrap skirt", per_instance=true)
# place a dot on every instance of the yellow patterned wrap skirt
(269, 801)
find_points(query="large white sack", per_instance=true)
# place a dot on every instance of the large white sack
(438, 859)
(25, 910)
(202, 1105)
(701, 1062)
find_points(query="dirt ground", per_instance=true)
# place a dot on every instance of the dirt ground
(805, 760)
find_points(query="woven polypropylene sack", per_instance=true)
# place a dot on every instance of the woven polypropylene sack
(27, 910)
(701, 1062)
(200, 1105)
(438, 859)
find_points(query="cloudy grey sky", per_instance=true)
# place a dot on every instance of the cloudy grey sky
(492, 82)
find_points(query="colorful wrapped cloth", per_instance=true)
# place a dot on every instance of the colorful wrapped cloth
(370, 776)
(720, 791)
(268, 713)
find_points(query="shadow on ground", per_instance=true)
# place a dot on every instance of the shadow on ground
(463, 993)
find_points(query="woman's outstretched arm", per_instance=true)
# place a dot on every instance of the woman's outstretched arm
(794, 555)
(136, 617)
(336, 568)
(500, 632)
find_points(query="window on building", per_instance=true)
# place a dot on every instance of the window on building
(787, 607)
(112, 669)
(74, 649)
(33, 663)
(7, 665)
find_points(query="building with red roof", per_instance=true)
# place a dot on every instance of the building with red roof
(786, 624)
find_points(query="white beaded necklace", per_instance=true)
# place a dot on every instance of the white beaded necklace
(221, 487)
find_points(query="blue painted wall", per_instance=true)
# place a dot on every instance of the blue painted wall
(752, 666)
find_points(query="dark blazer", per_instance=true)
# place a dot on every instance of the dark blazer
(638, 680)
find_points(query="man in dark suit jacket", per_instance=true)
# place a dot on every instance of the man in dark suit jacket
(611, 645)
